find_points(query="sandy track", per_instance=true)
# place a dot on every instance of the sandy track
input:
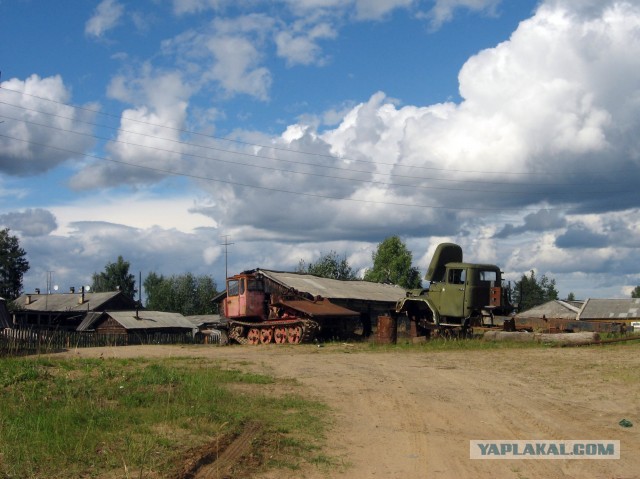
(402, 414)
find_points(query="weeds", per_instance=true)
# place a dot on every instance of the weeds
(85, 418)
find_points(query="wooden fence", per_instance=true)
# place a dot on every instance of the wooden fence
(31, 341)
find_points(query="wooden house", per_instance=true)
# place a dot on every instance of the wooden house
(65, 310)
(136, 323)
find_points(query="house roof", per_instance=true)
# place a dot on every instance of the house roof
(139, 320)
(553, 310)
(202, 319)
(628, 308)
(589, 310)
(336, 289)
(66, 301)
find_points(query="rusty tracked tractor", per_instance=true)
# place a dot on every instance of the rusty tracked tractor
(261, 314)
(461, 296)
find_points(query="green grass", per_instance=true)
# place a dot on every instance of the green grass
(138, 418)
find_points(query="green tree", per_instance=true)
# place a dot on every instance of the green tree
(531, 291)
(13, 265)
(329, 266)
(186, 294)
(115, 276)
(571, 297)
(392, 264)
(636, 292)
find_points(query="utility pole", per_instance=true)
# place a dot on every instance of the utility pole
(225, 244)
(49, 273)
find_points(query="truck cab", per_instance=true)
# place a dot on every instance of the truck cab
(460, 295)
(466, 290)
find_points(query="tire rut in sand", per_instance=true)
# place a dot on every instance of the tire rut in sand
(208, 462)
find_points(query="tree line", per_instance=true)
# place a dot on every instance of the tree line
(186, 294)
(189, 294)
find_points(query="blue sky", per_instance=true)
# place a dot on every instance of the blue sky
(152, 129)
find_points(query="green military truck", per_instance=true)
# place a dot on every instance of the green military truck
(461, 297)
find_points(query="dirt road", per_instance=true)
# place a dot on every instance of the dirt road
(410, 414)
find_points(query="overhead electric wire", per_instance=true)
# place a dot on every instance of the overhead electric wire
(276, 148)
(236, 163)
(254, 155)
(278, 190)
(270, 168)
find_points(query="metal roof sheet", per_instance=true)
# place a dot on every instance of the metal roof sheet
(200, 319)
(143, 320)
(150, 319)
(336, 289)
(317, 309)
(552, 310)
(63, 301)
(628, 308)
(88, 321)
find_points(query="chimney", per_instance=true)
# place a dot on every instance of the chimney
(27, 300)
(81, 298)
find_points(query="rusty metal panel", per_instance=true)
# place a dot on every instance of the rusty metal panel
(336, 289)
(495, 294)
(316, 308)
(387, 330)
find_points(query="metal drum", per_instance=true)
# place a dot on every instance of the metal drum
(387, 332)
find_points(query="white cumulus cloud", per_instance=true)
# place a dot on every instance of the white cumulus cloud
(40, 131)
(106, 16)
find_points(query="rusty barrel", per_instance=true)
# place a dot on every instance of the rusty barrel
(387, 332)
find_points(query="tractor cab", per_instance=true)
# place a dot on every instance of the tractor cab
(246, 297)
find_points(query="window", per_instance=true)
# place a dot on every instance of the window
(457, 276)
(233, 285)
(255, 285)
(489, 276)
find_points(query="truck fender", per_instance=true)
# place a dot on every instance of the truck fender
(402, 306)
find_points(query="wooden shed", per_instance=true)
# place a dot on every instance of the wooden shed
(65, 310)
(132, 323)
(369, 299)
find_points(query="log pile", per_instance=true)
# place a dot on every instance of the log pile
(561, 339)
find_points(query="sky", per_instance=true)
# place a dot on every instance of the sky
(204, 136)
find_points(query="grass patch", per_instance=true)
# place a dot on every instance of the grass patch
(137, 418)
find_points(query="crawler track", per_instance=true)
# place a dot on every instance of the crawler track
(289, 331)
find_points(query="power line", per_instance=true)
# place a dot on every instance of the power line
(246, 143)
(265, 188)
(253, 155)
(237, 163)
(373, 182)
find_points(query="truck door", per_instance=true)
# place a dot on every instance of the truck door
(453, 294)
